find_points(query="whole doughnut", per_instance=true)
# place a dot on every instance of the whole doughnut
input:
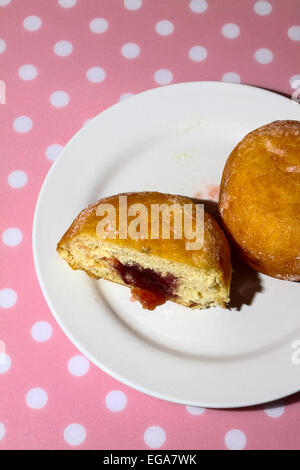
(260, 199)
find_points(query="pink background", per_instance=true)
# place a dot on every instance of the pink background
(51, 397)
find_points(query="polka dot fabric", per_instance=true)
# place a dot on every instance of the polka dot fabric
(63, 62)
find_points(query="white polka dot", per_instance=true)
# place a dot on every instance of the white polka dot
(198, 53)
(132, 4)
(12, 236)
(263, 8)
(8, 298)
(98, 25)
(295, 82)
(164, 27)
(163, 76)
(125, 96)
(27, 72)
(264, 56)
(78, 365)
(116, 400)
(32, 23)
(275, 409)
(36, 398)
(2, 45)
(5, 363)
(74, 434)
(235, 439)
(63, 48)
(53, 151)
(231, 77)
(130, 50)
(3, 3)
(294, 33)
(17, 179)
(95, 74)
(23, 124)
(195, 410)
(67, 3)
(198, 6)
(59, 98)
(154, 437)
(41, 331)
(230, 30)
(2, 431)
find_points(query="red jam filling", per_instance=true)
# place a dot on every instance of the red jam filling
(147, 286)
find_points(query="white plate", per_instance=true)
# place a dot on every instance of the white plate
(172, 139)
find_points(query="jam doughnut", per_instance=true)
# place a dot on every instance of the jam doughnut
(156, 269)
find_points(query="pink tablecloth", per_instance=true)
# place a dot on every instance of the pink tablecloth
(64, 61)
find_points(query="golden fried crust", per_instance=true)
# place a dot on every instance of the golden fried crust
(260, 199)
(215, 253)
